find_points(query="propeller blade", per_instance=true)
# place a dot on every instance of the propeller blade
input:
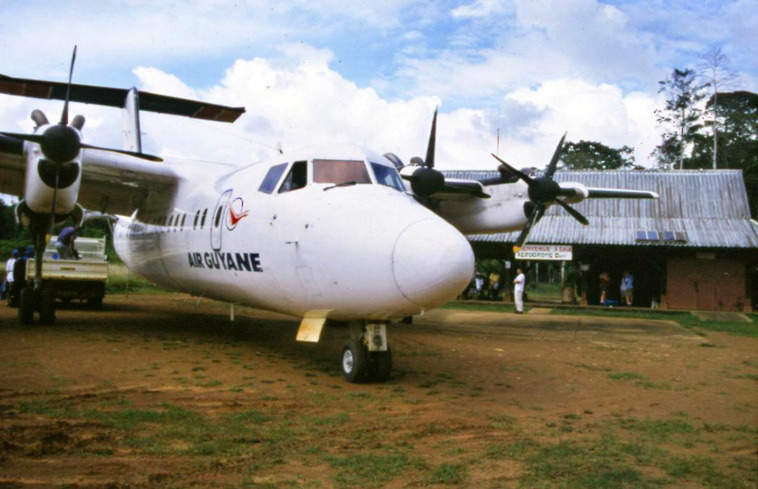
(34, 138)
(536, 212)
(523, 176)
(556, 156)
(574, 213)
(432, 142)
(143, 156)
(64, 115)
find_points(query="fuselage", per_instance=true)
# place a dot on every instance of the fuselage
(334, 235)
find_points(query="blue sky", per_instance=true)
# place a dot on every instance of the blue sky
(372, 72)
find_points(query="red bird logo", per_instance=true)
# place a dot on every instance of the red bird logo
(237, 212)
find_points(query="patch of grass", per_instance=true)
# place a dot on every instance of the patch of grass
(466, 306)
(574, 464)
(503, 422)
(592, 367)
(646, 384)
(622, 376)
(450, 474)
(518, 449)
(685, 319)
(658, 429)
(369, 469)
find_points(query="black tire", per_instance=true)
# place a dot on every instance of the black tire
(47, 306)
(26, 305)
(95, 303)
(354, 361)
(380, 368)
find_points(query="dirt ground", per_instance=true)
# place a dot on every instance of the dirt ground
(160, 391)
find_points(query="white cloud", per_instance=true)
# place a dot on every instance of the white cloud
(592, 112)
(480, 8)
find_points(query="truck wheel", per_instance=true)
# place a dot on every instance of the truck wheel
(354, 361)
(47, 306)
(26, 305)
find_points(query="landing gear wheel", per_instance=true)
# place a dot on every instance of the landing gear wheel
(354, 361)
(380, 365)
(95, 303)
(47, 306)
(26, 305)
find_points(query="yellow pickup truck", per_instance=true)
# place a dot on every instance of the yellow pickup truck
(82, 279)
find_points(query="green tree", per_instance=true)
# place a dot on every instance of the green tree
(714, 68)
(8, 228)
(591, 155)
(737, 140)
(681, 117)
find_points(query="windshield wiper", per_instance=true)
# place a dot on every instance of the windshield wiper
(343, 184)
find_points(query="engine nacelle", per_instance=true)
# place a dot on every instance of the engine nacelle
(41, 180)
(573, 192)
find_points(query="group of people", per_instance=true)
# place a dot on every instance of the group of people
(484, 286)
(626, 288)
(489, 287)
(15, 272)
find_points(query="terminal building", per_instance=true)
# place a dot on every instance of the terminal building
(694, 248)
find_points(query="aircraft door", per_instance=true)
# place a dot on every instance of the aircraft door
(219, 218)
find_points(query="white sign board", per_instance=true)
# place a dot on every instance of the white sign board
(545, 252)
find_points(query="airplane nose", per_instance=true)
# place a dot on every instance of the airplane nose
(432, 263)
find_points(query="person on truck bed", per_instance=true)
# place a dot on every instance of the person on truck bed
(65, 243)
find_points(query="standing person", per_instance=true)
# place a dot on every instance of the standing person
(494, 285)
(6, 287)
(627, 288)
(65, 243)
(605, 282)
(479, 284)
(518, 290)
(19, 271)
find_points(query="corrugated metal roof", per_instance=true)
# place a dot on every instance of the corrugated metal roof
(709, 206)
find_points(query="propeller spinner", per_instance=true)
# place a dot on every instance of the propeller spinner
(542, 192)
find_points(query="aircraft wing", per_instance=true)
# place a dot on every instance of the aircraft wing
(460, 189)
(110, 182)
(117, 184)
(114, 97)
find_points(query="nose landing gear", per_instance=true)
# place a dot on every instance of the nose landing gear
(366, 357)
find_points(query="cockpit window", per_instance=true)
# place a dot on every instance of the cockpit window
(271, 179)
(340, 171)
(387, 175)
(296, 178)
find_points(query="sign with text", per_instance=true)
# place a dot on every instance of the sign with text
(546, 252)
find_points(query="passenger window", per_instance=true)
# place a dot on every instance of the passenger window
(184, 219)
(202, 222)
(296, 178)
(197, 216)
(272, 178)
(340, 171)
(218, 216)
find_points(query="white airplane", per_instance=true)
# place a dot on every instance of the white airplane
(331, 234)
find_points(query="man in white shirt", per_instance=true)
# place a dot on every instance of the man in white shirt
(518, 290)
(9, 273)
